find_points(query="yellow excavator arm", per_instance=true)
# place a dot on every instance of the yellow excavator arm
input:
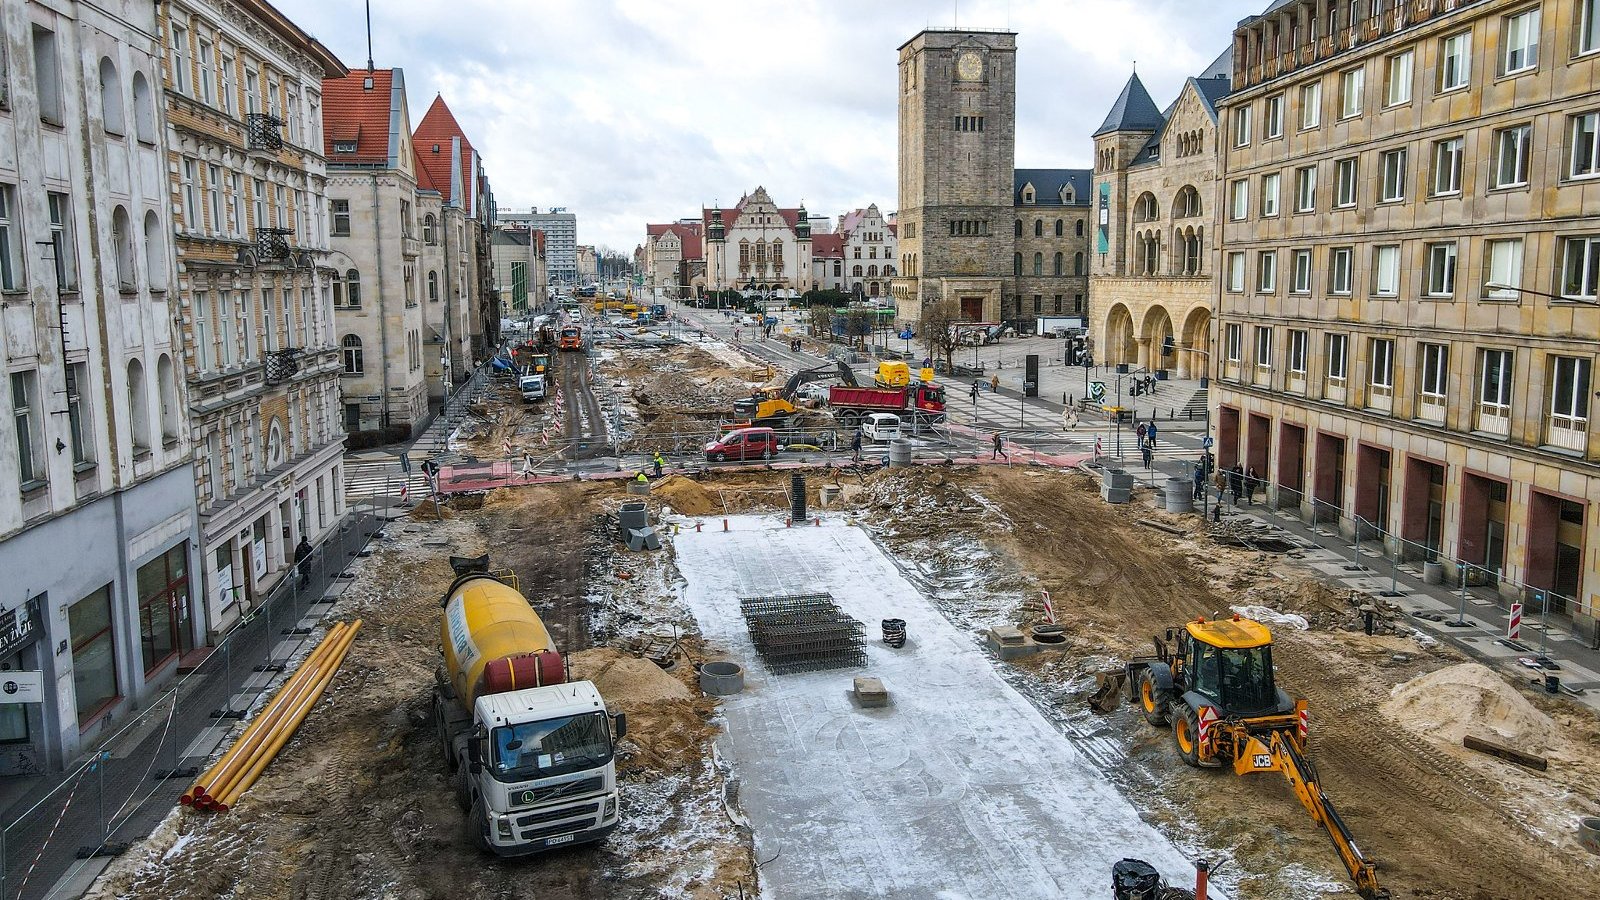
(1277, 753)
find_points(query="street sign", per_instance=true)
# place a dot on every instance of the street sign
(405, 463)
(21, 687)
(906, 335)
(1097, 391)
(1207, 443)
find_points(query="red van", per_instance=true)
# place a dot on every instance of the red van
(746, 443)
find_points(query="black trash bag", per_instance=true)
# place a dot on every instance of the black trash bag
(1135, 879)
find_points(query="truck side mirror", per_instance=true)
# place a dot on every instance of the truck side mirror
(619, 724)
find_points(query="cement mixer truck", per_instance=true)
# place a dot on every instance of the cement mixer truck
(531, 752)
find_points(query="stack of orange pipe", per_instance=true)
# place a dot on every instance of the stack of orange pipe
(222, 784)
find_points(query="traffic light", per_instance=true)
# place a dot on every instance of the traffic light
(1167, 346)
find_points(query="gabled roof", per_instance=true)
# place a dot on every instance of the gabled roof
(1210, 90)
(1133, 111)
(435, 147)
(1047, 185)
(688, 236)
(424, 180)
(827, 245)
(790, 216)
(352, 112)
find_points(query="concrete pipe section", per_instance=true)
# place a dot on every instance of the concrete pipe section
(899, 453)
(1589, 833)
(721, 679)
(1179, 494)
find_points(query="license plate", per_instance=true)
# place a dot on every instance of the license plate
(559, 839)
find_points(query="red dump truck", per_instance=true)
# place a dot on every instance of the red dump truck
(919, 400)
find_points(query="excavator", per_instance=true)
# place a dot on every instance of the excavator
(775, 406)
(1212, 681)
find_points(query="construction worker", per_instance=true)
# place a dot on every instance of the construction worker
(855, 446)
(658, 462)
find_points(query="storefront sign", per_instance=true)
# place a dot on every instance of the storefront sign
(21, 687)
(224, 583)
(17, 629)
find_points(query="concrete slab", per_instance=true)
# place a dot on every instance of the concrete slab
(960, 791)
(80, 877)
(206, 742)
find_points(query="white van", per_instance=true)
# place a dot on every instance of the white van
(881, 427)
(532, 387)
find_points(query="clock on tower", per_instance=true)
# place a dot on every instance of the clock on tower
(969, 65)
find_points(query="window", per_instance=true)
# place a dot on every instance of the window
(1441, 269)
(191, 197)
(1434, 360)
(1267, 272)
(258, 194)
(1344, 183)
(1273, 117)
(1394, 176)
(353, 364)
(1511, 155)
(1447, 167)
(214, 199)
(1302, 273)
(138, 408)
(1038, 228)
(1503, 265)
(111, 117)
(1236, 272)
(1569, 402)
(341, 217)
(1380, 374)
(269, 316)
(155, 255)
(94, 658)
(1239, 200)
(11, 273)
(1351, 84)
(352, 288)
(1494, 391)
(1338, 356)
(28, 418)
(47, 75)
(252, 91)
(1297, 352)
(1398, 84)
(1455, 61)
(1059, 270)
(1386, 271)
(247, 326)
(1241, 127)
(1310, 105)
(1305, 189)
(1233, 343)
(236, 182)
(427, 226)
(1038, 263)
(1269, 194)
(144, 110)
(203, 350)
(1016, 229)
(227, 323)
(1585, 147)
(1016, 265)
(1263, 347)
(163, 595)
(1059, 227)
(226, 71)
(1077, 263)
(1077, 227)
(208, 62)
(1339, 273)
(62, 244)
(433, 284)
(1521, 42)
(1580, 267)
(1588, 29)
(122, 244)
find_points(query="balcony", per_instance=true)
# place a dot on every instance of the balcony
(281, 365)
(263, 131)
(272, 243)
(1568, 433)
(410, 247)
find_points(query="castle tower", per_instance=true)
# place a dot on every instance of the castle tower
(1127, 128)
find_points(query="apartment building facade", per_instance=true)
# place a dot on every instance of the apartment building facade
(1420, 360)
(97, 525)
(241, 86)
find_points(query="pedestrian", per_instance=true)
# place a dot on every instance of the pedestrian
(1236, 482)
(1199, 481)
(1150, 434)
(658, 462)
(974, 391)
(1069, 419)
(855, 446)
(1149, 456)
(1140, 433)
(527, 466)
(1252, 481)
(994, 384)
(302, 560)
(999, 450)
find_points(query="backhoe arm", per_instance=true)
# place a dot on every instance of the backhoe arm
(1302, 777)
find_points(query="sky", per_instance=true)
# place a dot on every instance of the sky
(634, 111)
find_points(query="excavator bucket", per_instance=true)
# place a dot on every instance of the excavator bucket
(1255, 757)
(1107, 690)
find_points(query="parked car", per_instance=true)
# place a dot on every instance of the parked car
(745, 443)
(880, 427)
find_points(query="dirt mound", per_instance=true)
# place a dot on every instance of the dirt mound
(625, 678)
(1469, 698)
(686, 496)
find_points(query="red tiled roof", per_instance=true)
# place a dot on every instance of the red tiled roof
(894, 229)
(424, 180)
(437, 127)
(851, 220)
(790, 216)
(351, 112)
(827, 246)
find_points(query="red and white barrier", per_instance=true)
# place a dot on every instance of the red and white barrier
(1514, 627)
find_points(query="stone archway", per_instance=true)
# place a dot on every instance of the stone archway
(1194, 358)
(1153, 334)
(1118, 345)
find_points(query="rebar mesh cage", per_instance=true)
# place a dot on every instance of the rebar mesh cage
(803, 633)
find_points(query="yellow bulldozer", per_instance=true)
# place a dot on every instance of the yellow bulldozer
(1212, 682)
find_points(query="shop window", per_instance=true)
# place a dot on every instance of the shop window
(163, 596)
(94, 660)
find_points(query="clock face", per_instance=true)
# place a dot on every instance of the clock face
(969, 66)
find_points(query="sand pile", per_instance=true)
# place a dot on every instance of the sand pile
(667, 723)
(1469, 698)
(686, 496)
(625, 678)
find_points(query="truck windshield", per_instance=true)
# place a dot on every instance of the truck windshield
(933, 395)
(551, 747)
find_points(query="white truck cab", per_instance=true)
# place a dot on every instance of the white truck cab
(532, 387)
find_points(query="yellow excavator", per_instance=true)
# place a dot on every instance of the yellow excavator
(775, 406)
(1212, 681)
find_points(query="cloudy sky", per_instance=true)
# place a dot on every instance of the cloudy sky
(628, 111)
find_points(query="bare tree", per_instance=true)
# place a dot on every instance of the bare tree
(936, 333)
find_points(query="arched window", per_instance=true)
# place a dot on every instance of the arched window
(167, 381)
(1058, 228)
(1059, 258)
(872, 271)
(1016, 264)
(855, 272)
(138, 407)
(1077, 263)
(155, 252)
(1144, 209)
(1018, 230)
(427, 229)
(122, 240)
(1187, 203)
(274, 445)
(872, 289)
(1038, 264)
(433, 286)
(353, 364)
(1038, 228)
(111, 115)
(888, 271)
(352, 288)
(1078, 227)
(144, 110)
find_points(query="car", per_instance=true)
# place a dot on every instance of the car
(743, 443)
(880, 427)
(814, 392)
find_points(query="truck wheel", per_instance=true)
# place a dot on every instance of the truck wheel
(477, 827)
(1186, 732)
(719, 457)
(446, 752)
(463, 789)
(1151, 700)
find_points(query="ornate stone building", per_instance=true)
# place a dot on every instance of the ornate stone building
(1156, 192)
(867, 245)
(1407, 339)
(669, 249)
(242, 90)
(757, 246)
(1051, 225)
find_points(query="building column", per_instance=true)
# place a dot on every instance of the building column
(1145, 354)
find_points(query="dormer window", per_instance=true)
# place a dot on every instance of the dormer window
(1027, 195)
(344, 146)
(1067, 194)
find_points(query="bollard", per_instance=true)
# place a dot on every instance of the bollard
(724, 524)
(1202, 875)
(697, 527)
(788, 522)
(817, 521)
